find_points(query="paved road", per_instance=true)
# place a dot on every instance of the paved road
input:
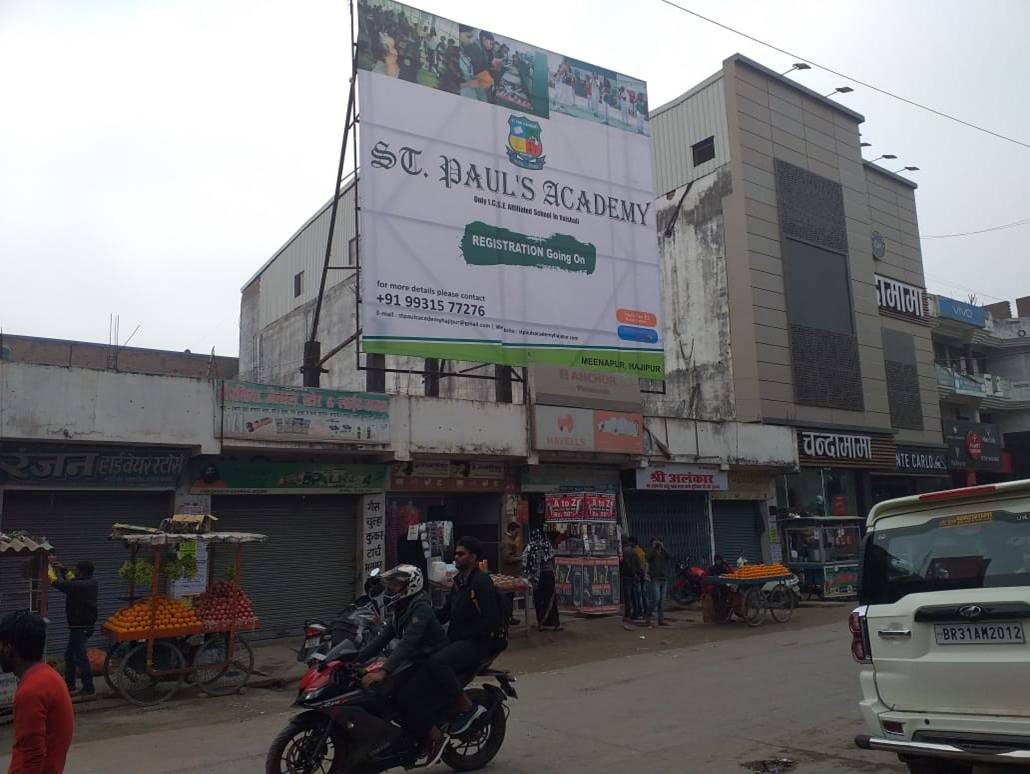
(706, 708)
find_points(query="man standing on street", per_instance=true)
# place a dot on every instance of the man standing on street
(476, 631)
(630, 569)
(43, 715)
(658, 563)
(81, 610)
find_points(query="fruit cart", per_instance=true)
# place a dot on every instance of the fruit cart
(749, 592)
(160, 643)
(25, 558)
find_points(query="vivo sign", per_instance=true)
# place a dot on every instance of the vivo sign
(961, 312)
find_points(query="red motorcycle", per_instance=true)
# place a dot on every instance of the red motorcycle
(686, 589)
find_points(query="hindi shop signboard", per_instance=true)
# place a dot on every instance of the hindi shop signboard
(506, 201)
(373, 530)
(263, 412)
(89, 466)
(579, 506)
(899, 297)
(682, 478)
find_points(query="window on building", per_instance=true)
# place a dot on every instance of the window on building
(703, 151)
(298, 284)
(352, 252)
(819, 492)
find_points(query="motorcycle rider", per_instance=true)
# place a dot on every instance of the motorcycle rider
(476, 631)
(409, 616)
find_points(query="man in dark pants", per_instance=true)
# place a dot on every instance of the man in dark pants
(476, 631)
(81, 611)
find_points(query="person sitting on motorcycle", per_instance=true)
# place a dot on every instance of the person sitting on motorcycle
(410, 617)
(476, 631)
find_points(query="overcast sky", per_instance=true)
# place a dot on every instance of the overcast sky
(154, 154)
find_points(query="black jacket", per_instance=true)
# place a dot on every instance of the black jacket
(421, 634)
(81, 602)
(472, 609)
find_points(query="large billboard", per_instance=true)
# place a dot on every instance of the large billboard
(506, 200)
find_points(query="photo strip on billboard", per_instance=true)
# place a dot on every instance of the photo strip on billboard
(506, 200)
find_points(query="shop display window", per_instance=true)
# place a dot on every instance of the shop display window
(819, 492)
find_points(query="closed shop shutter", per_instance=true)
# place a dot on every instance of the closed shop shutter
(305, 570)
(78, 525)
(736, 530)
(680, 520)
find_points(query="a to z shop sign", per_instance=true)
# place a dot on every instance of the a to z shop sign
(506, 201)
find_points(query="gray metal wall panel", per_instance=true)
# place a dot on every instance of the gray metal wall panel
(306, 252)
(736, 535)
(77, 524)
(682, 124)
(306, 569)
(679, 519)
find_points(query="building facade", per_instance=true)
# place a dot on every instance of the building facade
(982, 360)
(795, 276)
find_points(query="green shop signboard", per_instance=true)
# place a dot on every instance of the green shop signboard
(219, 477)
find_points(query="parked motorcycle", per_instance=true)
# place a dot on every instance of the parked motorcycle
(359, 622)
(346, 729)
(686, 589)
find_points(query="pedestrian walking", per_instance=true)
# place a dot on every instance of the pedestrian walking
(539, 567)
(660, 568)
(80, 593)
(43, 714)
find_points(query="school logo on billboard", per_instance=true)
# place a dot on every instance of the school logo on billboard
(525, 148)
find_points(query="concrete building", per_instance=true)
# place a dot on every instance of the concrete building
(982, 358)
(138, 360)
(794, 285)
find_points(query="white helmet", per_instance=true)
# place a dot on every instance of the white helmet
(403, 581)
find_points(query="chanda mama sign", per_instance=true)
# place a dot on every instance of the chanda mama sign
(506, 200)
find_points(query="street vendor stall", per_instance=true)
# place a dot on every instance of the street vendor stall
(160, 643)
(25, 561)
(825, 553)
(582, 528)
(748, 592)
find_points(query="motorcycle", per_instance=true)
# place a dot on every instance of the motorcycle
(359, 622)
(347, 729)
(686, 589)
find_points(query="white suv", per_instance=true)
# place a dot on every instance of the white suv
(942, 627)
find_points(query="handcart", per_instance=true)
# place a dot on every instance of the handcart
(749, 598)
(160, 644)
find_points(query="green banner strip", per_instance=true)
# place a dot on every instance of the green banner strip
(646, 364)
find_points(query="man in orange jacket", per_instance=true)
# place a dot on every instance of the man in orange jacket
(43, 715)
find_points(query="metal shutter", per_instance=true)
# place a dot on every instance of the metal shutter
(78, 525)
(306, 569)
(680, 520)
(735, 523)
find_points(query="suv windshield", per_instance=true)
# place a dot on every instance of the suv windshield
(975, 550)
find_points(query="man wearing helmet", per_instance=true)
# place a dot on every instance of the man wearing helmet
(410, 617)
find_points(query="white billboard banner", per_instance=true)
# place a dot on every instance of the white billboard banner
(506, 201)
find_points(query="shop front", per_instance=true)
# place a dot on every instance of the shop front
(671, 501)
(72, 494)
(975, 453)
(473, 498)
(835, 475)
(310, 513)
(740, 514)
(918, 470)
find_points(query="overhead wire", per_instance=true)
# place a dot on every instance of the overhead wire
(1014, 224)
(851, 78)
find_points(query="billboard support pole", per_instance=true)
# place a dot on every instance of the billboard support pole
(312, 367)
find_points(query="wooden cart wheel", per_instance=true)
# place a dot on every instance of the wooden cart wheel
(137, 684)
(753, 606)
(113, 661)
(781, 603)
(215, 673)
